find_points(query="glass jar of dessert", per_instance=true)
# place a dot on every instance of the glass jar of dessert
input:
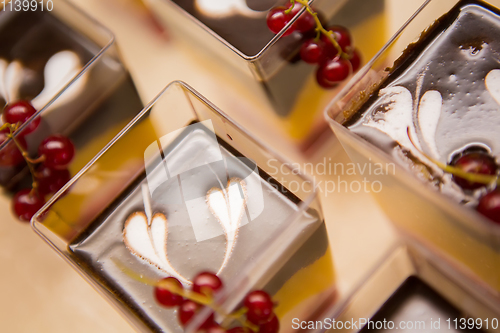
(183, 191)
(277, 53)
(62, 89)
(425, 113)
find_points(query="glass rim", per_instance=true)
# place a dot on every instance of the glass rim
(111, 41)
(379, 265)
(342, 304)
(484, 225)
(259, 255)
(143, 113)
(442, 200)
(364, 70)
(242, 55)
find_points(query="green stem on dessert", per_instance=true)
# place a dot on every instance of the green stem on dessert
(190, 295)
(132, 274)
(238, 316)
(469, 176)
(319, 27)
(30, 162)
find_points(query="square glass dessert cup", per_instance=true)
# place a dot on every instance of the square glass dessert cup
(408, 292)
(60, 74)
(234, 37)
(180, 190)
(410, 157)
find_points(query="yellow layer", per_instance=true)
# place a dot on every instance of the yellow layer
(440, 231)
(426, 221)
(103, 181)
(308, 282)
(369, 37)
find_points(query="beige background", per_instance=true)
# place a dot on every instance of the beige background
(41, 293)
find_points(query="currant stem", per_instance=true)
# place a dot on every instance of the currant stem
(319, 27)
(31, 163)
(238, 315)
(37, 160)
(190, 295)
(469, 176)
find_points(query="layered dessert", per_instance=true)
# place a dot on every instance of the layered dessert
(41, 53)
(201, 206)
(437, 112)
(241, 23)
(242, 34)
(434, 112)
(32, 39)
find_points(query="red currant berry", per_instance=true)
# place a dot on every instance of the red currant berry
(355, 60)
(335, 70)
(188, 310)
(10, 155)
(320, 78)
(343, 38)
(305, 22)
(272, 326)
(341, 35)
(166, 297)
(20, 112)
(277, 19)
(238, 330)
(259, 307)
(206, 283)
(58, 151)
(489, 206)
(50, 180)
(312, 51)
(474, 162)
(26, 203)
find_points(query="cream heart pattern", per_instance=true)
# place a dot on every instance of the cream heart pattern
(228, 206)
(429, 112)
(492, 82)
(59, 70)
(11, 75)
(398, 122)
(149, 242)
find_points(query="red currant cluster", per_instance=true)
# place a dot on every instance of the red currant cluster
(54, 155)
(477, 162)
(331, 49)
(257, 306)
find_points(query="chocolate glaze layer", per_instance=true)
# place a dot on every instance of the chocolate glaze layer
(248, 34)
(453, 58)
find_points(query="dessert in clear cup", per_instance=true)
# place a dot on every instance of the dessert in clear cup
(165, 202)
(39, 55)
(424, 111)
(437, 111)
(276, 53)
(56, 69)
(174, 222)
